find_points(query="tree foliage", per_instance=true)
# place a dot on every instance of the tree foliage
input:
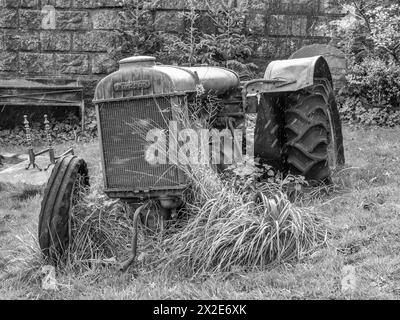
(225, 40)
(370, 36)
(136, 32)
(385, 30)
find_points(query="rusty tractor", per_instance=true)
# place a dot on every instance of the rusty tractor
(297, 130)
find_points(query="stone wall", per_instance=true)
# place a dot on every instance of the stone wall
(71, 38)
(57, 38)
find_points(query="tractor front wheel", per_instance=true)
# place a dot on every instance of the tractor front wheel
(63, 188)
(314, 141)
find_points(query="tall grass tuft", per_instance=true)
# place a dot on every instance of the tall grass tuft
(100, 229)
(226, 227)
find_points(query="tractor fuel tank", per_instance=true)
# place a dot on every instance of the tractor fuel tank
(216, 80)
(142, 76)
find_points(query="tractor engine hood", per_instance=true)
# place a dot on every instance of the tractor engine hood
(139, 76)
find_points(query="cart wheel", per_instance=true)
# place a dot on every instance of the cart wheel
(62, 191)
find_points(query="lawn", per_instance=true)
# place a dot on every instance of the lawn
(363, 212)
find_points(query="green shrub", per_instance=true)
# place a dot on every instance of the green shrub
(369, 35)
(376, 82)
(372, 95)
(352, 110)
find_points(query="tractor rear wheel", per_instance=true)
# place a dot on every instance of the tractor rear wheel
(63, 189)
(314, 141)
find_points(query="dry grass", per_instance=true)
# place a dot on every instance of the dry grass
(101, 230)
(225, 229)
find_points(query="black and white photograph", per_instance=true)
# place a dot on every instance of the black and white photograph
(218, 152)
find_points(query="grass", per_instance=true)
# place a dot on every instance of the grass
(227, 230)
(363, 212)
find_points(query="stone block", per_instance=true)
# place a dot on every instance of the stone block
(72, 63)
(332, 7)
(169, 21)
(30, 19)
(255, 4)
(299, 26)
(36, 63)
(215, 4)
(300, 7)
(8, 61)
(24, 41)
(8, 18)
(278, 25)
(103, 64)
(33, 4)
(55, 41)
(72, 20)
(2, 42)
(57, 3)
(93, 41)
(9, 3)
(97, 3)
(176, 4)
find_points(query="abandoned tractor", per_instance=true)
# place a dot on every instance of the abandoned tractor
(297, 130)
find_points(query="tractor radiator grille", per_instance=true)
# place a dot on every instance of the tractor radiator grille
(124, 125)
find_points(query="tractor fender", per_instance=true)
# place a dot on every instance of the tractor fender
(290, 75)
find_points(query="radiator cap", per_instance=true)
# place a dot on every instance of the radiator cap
(137, 61)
